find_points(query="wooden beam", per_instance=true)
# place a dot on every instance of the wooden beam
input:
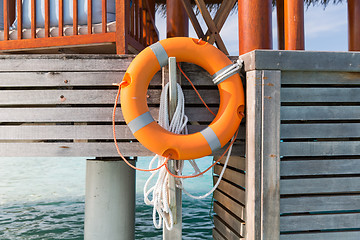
(255, 30)
(121, 27)
(294, 24)
(177, 21)
(354, 25)
(280, 24)
(193, 19)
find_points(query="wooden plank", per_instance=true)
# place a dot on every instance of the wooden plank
(234, 223)
(65, 79)
(233, 206)
(37, 97)
(320, 185)
(351, 235)
(302, 77)
(320, 222)
(79, 114)
(320, 113)
(319, 204)
(216, 235)
(319, 148)
(323, 130)
(235, 162)
(320, 167)
(301, 95)
(230, 175)
(302, 61)
(224, 229)
(270, 157)
(233, 191)
(53, 62)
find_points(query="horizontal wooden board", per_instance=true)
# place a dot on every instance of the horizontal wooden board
(216, 235)
(319, 222)
(304, 113)
(323, 95)
(320, 167)
(233, 222)
(230, 175)
(229, 203)
(310, 77)
(231, 190)
(84, 149)
(323, 130)
(320, 148)
(65, 79)
(350, 235)
(225, 230)
(320, 185)
(91, 114)
(319, 204)
(235, 162)
(39, 97)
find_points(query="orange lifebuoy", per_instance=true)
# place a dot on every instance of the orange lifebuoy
(148, 132)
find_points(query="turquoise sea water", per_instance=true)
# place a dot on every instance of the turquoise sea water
(43, 198)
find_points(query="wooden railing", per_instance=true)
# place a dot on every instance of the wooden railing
(124, 24)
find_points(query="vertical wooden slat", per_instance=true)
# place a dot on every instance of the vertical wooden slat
(280, 24)
(47, 18)
(19, 19)
(177, 21)
(33, 18)
(140, 19)
(6, 19)
(103, 16)
(294, 24)
(75, 17)
(137, 23)
(132, 19)
(121, 24)
(255, 31)
(354, 24)
(61, 18)
(89, 17)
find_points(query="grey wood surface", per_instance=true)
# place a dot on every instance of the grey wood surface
(301, 95)
(320, 113)
(224, 229)
(350, 235)
(320, 148)
(320, 222)
(235, 207)
(319, 204)
(235, 162)
(323, 130)
(311, 77)
(234, 223)
(231, 175)
(320, 167)
(234, 192)
(320, 185)
(217, 235)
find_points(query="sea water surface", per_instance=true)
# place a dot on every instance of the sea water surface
(43, 198)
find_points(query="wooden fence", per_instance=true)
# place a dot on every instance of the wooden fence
(303, 145)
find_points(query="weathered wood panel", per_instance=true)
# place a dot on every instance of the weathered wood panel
(233, 191)
(321, 95)
(217, 235)
(319, 204)
(323, 78)
(320, 185)
(301, 113)
(320, 222)
(350, 235)
(235, 207)
(320, 148)
(236, 224)
(235, 161)
(231, 175)
(225, 230)
(320, 167)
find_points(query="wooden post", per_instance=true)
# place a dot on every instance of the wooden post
(294, 24)
(177, 21)
(121, 26)
(280, 24)
(354, 24)
(255, 31)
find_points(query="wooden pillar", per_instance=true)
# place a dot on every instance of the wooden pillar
(255, 30)
(121, 26)
(294, 24)
(280, 24)
(354, 24)
(177, 21)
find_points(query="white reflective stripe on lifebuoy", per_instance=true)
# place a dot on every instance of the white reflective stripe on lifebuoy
(160, 53)
(221, 71)
(211, 138)
(140, 122)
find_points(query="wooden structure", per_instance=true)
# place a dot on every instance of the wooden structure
(132, 28)
(302, 171)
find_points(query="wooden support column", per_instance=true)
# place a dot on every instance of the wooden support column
(280, 24)
(121, 26)
(294, 24)
(177, 21)
(354, 24)
(254, 25)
